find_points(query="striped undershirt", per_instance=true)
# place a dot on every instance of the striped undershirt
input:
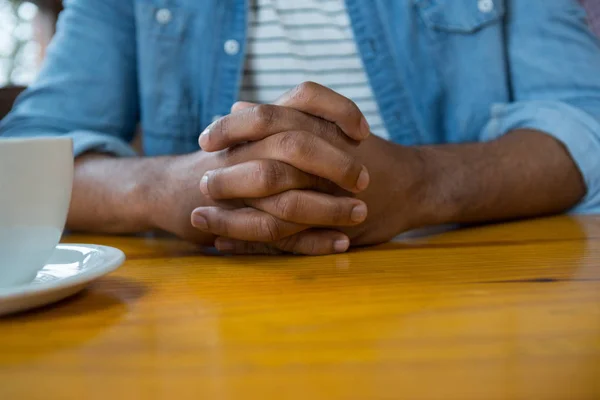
(290, 42)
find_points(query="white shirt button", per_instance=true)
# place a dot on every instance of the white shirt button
(486, 6)
(232, 47)
(164, 16)
(216, 117)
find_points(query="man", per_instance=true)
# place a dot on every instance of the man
(479, 110)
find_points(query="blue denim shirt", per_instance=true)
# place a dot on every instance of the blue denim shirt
(443, 71)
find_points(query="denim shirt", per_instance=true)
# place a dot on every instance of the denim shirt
(443, 71)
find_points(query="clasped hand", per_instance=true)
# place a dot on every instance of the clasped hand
(304, 175)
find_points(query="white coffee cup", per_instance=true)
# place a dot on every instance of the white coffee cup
(36, 178)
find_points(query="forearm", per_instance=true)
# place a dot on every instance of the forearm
(112, 195)
(522, 174)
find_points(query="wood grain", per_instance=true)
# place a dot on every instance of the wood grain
(509, 311)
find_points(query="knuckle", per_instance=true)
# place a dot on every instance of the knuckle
(324, 129)
(222, 227)
(265, 115)
(313, 247)
(306, 91)
(296, 145)
(339, 213)
(308, 86)
(350, 110)
(221, 128)
(215, 223)
(287, 205)
(289, 244)
(268, 229)
(307, 245)
(269, 175)
(331, 132)
(349, 168)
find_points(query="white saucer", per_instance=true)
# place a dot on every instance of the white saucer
(70, 268)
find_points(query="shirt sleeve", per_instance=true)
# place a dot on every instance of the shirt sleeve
(87, 86)
(553, 61)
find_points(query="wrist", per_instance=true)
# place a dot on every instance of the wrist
(426, 200)
(443, 176)
(402, 184)
(171, 189)
(152, 192)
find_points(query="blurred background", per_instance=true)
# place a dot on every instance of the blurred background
(26, 28)
(18, 50)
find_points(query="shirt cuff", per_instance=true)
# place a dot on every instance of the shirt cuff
(87, 141)
(576, 129)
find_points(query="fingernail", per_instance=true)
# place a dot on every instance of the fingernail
(341, 245)
(365, 128)
(363, 180)
(204, 136)
(224, 245)
(204, 184)
(359, 213)
(199, 221)
(203, 139)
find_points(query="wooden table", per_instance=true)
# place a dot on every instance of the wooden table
(500, 312)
